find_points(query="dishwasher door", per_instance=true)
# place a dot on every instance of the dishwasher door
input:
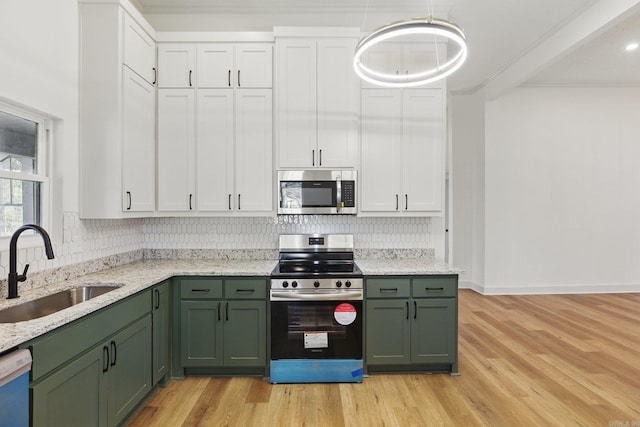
(14, 389)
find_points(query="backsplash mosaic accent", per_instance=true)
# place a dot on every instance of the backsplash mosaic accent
(88, 246)
(262, 232)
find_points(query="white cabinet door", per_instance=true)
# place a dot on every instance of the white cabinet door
(138, 143)
(253, 65)
(176, 63)
(337, 91)
(214, 150)
(423, 150)
(381, 168)
(253, 146)
(215, 65)
(383, 57)
(296, 102)
(139, 50)
(176, 128)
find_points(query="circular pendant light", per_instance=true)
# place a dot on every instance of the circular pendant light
(428, 26)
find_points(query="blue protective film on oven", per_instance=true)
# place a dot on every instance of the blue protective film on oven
(317, 371)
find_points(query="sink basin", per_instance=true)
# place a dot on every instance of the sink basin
(54, 302)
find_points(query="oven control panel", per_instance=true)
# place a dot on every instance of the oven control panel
(317, 283)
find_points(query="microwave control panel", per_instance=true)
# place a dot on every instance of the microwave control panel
(348, 194)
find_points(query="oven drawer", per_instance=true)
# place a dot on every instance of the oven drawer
(200, 288)
(387, 288)
(245, 288)
(433, 287)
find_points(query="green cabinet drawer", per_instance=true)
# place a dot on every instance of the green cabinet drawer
(200, 288)
(434, 287)
(387, 288)
(245, 288)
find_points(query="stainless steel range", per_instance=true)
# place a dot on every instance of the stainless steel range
(316, 310)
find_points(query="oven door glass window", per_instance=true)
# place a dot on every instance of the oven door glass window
(308, 194)
(316, 330)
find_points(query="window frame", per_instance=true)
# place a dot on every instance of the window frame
(43, 167)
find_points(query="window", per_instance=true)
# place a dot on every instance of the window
(23, 169)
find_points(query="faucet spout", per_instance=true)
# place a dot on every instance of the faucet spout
(14, 277)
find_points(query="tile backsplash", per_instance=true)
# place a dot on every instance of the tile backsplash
(91, 245)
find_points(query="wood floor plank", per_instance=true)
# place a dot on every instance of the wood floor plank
(543, 360)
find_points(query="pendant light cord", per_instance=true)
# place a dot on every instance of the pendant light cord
(364, 19)
(435, 39)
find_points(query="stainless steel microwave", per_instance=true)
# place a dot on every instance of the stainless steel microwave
(321, 192)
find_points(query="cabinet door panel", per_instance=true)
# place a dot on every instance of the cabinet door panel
(245, 332)
(385, 58)
(201, 333)
(161, 324)
(388, 332)
(253, 150)
(253, 65)
(381, 150)
(215, 65)
(433, 332)
(337, 104)
(423, 150)
(176, 124)
(296, 103)
(139, 50)
(129, 369)
(74, 395)
(138, 145)
(214, 136)
(176, 65)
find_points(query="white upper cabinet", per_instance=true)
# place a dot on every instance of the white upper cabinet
(317, 103)
(403, 140)
(139, 50)
(176, 65)
(176, 147)
(117, 120)
(246, 65)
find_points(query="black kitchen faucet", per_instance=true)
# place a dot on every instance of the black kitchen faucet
(14, 278)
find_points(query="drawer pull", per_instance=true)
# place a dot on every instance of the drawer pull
(201, 290)
(388, 289)
(246, 290)
(434, 289)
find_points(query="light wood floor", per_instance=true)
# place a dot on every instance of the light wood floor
(552, 360)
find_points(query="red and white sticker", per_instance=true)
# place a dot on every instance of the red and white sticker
(345, 313)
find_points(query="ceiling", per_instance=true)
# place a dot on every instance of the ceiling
(511, 42)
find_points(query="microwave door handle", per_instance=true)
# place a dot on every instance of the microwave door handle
(338, 195)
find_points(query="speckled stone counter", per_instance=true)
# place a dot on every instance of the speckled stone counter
(416, 266)
(133, 277)
(139, 275)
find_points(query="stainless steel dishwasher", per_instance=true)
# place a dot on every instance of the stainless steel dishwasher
(14, 389)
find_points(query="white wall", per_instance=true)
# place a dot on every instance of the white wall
(562, 198)
(466, 113)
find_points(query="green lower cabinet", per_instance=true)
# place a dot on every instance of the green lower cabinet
(388, 332)
(129, 373)
(433, 331)
(411, 324)
(201, 333)
(223, 324)
(245, 337)
(101, 387)
(161, 309)
(75, 395)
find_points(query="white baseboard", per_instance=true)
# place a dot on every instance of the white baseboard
(551, 289)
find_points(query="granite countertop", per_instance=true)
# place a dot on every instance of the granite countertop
(139, 275)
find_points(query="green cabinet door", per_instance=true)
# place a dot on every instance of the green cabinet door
(75, 395)
(161, 306)
(433, 330)
(388, 332)
(129, 369)
(245, 333)
(201, 333)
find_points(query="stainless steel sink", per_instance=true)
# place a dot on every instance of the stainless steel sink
(54, 302)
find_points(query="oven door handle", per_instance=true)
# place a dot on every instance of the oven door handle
(316, 296)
